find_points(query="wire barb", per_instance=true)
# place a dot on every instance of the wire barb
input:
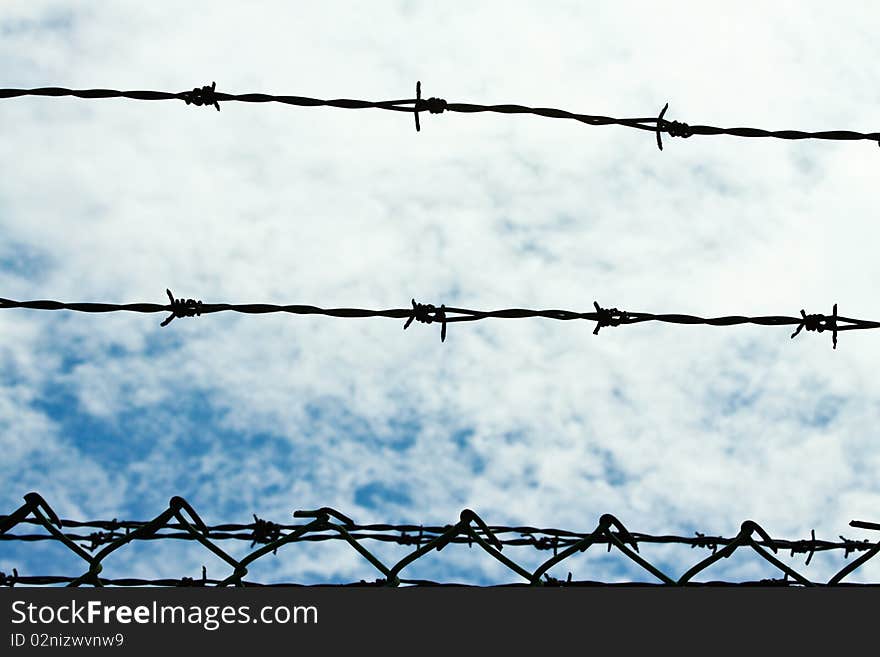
(97, 539)
(851, 545)
(674, 128)
(703, 541)
(9, 580)
(202, 96)
(819, 323)
(432, 105)
(265, 531)
(608, 317)
(181, 308)
(421, 312)
(189, 581)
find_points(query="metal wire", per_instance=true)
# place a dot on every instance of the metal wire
(327, 524)
(209, 96)
(428, 313)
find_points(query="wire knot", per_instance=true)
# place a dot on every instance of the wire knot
(819, 323)
(805, 546)
(435, 105)
(98, 538)
(203, 96)
(421, 312)
(432, 105)
(608, 317)
(265, 531)
(704, 542)
(673, 128)
(182, 308)
(9, 580)
(851, 546)
(543, 543)
(678, 129)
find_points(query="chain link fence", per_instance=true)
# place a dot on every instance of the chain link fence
(94, 541)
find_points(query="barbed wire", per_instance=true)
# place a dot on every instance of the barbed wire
(327, 524)
(208, 96)
(443, 315)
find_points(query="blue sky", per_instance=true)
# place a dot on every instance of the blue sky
(673, 429)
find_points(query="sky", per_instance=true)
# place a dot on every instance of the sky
(673, 429)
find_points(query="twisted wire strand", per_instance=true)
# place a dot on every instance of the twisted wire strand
(180, 521)
(428, 313)
(208, 95)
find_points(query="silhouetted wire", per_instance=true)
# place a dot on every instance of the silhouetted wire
(327, 524)
(443, 315)
(209, 96)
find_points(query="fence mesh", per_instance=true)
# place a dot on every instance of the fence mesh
(93, 541)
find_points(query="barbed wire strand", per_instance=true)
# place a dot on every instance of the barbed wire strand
(327, 524)
(208, 96)
(443, 315)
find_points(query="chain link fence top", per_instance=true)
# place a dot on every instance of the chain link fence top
(94, 541)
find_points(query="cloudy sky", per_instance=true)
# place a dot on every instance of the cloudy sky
(673, 429)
